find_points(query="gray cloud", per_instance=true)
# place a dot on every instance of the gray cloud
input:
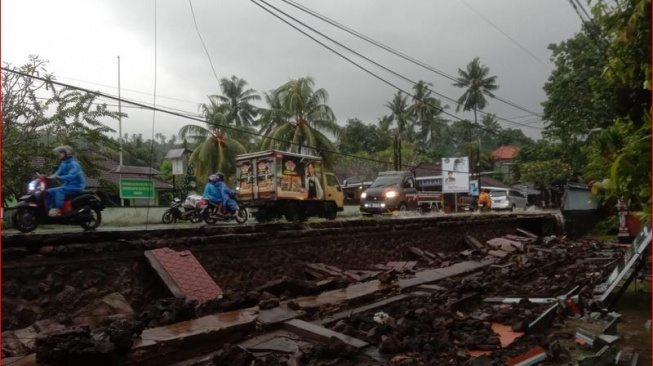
(245, 41)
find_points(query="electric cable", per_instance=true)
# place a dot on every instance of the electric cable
(506, 34)
(395, 52)
(441, 109)
(202, 40)
(176, 114)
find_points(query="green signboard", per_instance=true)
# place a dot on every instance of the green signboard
(136, 188)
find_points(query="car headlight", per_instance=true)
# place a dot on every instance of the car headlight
(391, 194)
(363, 195)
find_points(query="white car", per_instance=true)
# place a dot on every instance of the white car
(507, 199)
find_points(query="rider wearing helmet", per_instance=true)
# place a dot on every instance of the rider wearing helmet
(71, 175)
(226, 193)
(211, 192)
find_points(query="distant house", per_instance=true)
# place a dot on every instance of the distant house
(503, 158)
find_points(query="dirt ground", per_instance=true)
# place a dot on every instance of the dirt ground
(635, 305)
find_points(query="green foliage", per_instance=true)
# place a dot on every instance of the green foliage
(577, 97)
(476, 82)
(544, 163)
(297, 119)
(618, 159)
(360, 137)
(32, 126)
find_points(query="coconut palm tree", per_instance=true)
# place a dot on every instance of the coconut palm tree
(239, 99)
(477, 83)
(213, 150)
(426, 112)
(384, 123)
(298, 118)
(400, 115)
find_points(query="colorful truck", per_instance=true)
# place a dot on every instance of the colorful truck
(283, 184)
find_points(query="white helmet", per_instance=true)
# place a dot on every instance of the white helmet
(65, 148)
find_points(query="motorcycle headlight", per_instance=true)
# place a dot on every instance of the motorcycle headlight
(391, 194)
(34, 186)
(363, 195)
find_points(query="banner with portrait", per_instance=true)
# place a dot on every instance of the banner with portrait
(455, 175)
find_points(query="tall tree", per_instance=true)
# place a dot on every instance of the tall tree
(401, 116)
(477, 84)
(298, 118)
(359, 137)
(32, 126)
(214, 150)
(241, 110)
(577, 98)
(426, 111)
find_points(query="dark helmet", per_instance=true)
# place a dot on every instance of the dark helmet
(220, 176)
(65, 148)
(213, 178)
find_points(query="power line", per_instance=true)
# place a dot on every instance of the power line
(580, 5)
(131, 90)
(158, 109)
(393, 51)
(506, 34)
(441, 109)
(201, 40)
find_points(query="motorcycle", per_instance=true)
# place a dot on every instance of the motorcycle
(212, 213)
(82, 209)
(175, 213)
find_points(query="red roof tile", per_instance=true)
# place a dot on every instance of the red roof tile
(505, 152)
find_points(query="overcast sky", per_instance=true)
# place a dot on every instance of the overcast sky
(161, 52)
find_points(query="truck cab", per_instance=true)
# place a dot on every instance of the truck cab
(391, 191)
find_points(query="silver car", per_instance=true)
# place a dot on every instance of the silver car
(507, 199)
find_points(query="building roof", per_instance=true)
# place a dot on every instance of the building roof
(491, 182)
(506, 152)
(427, 170)
(138, 170)
(176, 153)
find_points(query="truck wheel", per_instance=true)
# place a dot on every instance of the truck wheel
(331, 211)
(292, 212)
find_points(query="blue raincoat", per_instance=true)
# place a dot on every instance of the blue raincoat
(72, 176)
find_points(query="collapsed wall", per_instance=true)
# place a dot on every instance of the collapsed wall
(54, 276)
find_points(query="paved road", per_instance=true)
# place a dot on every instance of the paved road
(57, 229)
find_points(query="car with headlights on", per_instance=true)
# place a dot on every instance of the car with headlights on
(391, 191)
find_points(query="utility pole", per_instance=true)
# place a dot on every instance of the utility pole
(122, 202)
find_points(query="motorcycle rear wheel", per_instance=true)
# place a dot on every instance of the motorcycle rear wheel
(208, 216)
(25, 220)
(242, 215)
(92, 220)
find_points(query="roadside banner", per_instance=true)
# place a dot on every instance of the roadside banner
(455, 175)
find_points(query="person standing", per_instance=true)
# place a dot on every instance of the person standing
(484, 200)
(72, 176)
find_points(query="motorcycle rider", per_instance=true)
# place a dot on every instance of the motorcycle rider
(227, 194)
(72, 176)
(211, 191)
